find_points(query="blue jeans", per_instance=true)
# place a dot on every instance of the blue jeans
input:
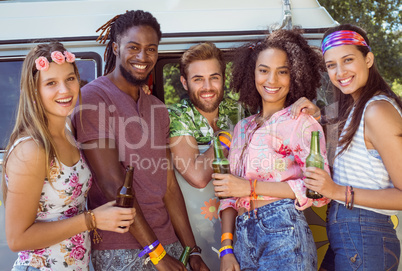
(24, 268)
(362, 239)
(275, 237)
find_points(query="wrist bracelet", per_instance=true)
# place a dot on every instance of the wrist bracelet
(227, 235)
(156, 260)
(149, 248)
(96, 238)
(225, 251)
(225, 247)
(225, 142)
(351, 192)
(317, 118)
(157, 252)
(195, 254)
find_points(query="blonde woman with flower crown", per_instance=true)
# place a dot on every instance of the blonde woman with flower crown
(45, 177)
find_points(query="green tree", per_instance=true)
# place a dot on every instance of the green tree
(382, 21)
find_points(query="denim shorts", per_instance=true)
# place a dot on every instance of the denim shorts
(361, 240)
(275, 236)
(24, 268)
(128, 260)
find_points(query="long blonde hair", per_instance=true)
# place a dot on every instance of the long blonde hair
(32, 120)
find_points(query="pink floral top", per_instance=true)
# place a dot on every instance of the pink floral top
(62, 197)
(275, 152)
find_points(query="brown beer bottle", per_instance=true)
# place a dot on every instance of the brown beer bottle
(314, 159)
(125, 194)
(220, 163)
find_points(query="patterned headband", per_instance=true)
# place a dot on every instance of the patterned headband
(342, 37)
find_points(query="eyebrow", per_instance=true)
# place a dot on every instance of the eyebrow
(341, 57)
(281, 67)
(152, 44)
(54, 78)
(214, 74)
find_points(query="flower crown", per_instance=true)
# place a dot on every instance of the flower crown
(42, 64)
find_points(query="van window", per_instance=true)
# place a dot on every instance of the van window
(10, 74)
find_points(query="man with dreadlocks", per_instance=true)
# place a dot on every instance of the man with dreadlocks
(121, 126)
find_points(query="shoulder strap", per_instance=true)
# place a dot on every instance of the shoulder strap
(18, 141)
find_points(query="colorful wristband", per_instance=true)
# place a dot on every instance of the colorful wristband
(157, 252)
(225, 142)
(226, 235)
(225, 251)
(148, 248)
(225, 247)
(156, 260)
(226, 133)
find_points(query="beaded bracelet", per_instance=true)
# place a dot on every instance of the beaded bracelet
(227, 235)
(91, 225)
(149, 248)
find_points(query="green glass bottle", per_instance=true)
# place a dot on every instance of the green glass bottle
(314, 159)
(125, 194)
(220, 164)
(184, 256)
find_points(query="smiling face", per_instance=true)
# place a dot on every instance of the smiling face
(137, 53)
(348, 69)
(204, 84)
(272, 78)
(58, 88)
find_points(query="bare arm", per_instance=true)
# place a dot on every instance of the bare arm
(228, 185)
(110, 178)
(176, 207)
(196, 168)
(26, 171)
(383, 130)
(228, 261)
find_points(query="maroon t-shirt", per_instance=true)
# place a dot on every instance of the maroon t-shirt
(141, 132)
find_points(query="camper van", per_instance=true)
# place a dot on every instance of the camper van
(227, 23)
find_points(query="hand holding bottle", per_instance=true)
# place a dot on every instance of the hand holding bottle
(111, 218)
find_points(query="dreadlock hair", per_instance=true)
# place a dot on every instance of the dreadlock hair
(116, 27)
(375, 85)
(304, 61)
(32, 120)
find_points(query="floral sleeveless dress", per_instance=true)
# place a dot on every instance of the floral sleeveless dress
(62, 197)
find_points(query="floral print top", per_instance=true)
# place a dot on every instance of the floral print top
(62, 197)
(274, 152)
(185, 119)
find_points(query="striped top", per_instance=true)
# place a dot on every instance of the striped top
(361, 167)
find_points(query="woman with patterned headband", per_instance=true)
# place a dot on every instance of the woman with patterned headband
(45, 177)
(366, 187)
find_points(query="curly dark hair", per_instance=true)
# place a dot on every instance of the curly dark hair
(305, 64)
(116, 27)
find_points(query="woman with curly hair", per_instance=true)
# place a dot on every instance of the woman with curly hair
(266, 189)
